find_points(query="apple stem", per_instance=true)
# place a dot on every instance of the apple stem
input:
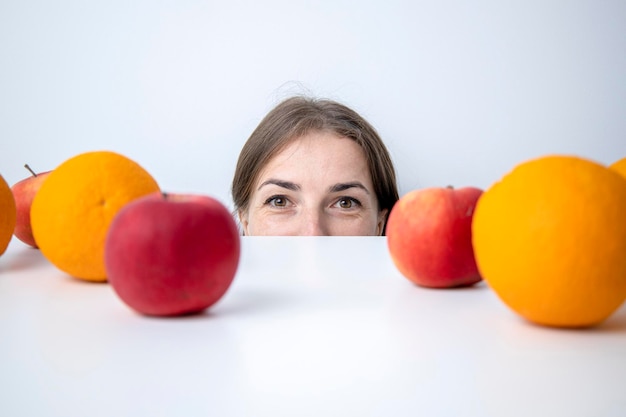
(30, 170)
(164, 194)
(450, 187)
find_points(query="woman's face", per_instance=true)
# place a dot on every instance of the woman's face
(318, 185)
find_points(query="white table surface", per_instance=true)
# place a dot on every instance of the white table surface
(310, 327)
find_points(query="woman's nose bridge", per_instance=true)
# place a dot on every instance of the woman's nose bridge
(313, 222)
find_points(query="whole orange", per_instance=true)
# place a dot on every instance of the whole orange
(619, 166)
(7, 215)
(550, 240)
(74, 207)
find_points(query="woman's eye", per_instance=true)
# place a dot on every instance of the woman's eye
(277, 201)
(348, 203)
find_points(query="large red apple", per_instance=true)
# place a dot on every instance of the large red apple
(171, 254)
(429, 236)
(24, 192)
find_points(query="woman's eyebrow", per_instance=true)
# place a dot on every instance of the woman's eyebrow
(342, 186)
(284, 184)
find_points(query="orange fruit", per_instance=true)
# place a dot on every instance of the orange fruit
(619, 166)
(74, 207)
(7, 215)
(550, 240)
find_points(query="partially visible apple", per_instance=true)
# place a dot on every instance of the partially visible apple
(429, 236)
(24, 192)
(172, 254)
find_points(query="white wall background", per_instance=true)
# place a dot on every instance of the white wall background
(460, 91)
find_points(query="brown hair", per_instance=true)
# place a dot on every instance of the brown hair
(294, 118)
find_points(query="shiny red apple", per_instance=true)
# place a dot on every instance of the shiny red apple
(429, 236)
(24, 192)
(172, 254)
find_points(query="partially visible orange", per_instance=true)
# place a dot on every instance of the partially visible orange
(619, 166)
(550, 240)
(7, 215)
(74, 207)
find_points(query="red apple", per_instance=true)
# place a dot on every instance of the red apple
(429, 236)
(172, 254)
(24, 192)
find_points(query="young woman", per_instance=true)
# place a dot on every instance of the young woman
(314, 167)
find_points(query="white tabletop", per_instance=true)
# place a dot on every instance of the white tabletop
(310, 327)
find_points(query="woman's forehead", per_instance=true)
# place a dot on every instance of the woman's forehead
(317, 155)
